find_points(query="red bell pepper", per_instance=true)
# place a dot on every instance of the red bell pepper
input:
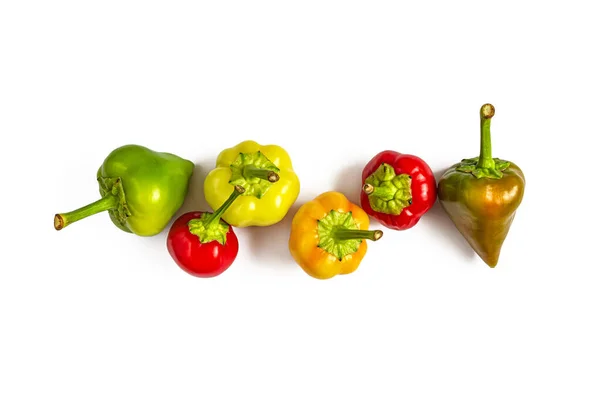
(398, 189)
(201, 243)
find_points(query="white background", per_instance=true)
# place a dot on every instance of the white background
(93, 313)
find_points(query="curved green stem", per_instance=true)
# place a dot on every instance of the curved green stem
(250, 171)
(106, 203)
(209, 227)
(484, 166)
(348, 234)
(216, 216)
(485, 150)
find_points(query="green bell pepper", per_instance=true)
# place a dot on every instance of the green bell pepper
(141, 189)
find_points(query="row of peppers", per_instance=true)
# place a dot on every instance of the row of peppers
(255, 185)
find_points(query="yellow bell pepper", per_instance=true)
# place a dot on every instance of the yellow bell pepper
(265, 172)
(327, 236)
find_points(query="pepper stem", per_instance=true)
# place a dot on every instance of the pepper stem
(347, 234)
(216, 216)
(250, 171)
(388, 192)
(485, 151)
(484, 166)
(379, 191)
(106, 203)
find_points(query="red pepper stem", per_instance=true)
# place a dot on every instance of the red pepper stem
(378, 191)
(485, 150)
(106, 203)
(250, 171)
(347, 234)
(216, 216)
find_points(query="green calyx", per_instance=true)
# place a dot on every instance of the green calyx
(339, 235)
(254, 172)
(114, 187)
(209, 227)
(470, 165)
(388, 192)
(484, 166)
(113, 200)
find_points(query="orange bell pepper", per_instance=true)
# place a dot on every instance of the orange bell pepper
(328, 237)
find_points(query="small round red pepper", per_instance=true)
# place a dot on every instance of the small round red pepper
(398, 189)
(201, 243)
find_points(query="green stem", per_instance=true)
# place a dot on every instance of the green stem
(485, 151)
(216, 216)
(250, 171)
(347, 234)
(106, 203)
(379, 191)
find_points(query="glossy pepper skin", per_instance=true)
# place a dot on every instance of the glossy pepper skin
(398, 189)
(328, 235)
(141, 189)
(265, 172)
(481, 195)
(201, 243)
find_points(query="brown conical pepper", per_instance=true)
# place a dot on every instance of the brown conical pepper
(481, 195)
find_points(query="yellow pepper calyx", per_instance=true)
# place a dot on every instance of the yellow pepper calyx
(339, 234)
(254, 172)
